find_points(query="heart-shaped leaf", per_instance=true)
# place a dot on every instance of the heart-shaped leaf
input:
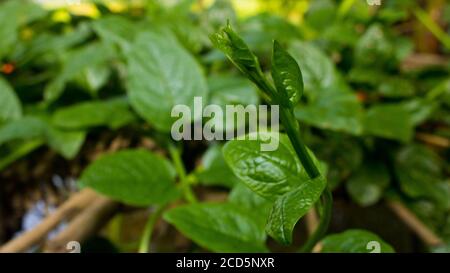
(268, 173)
(292, 206)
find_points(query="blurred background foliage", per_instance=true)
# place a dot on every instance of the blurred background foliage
(376, 105)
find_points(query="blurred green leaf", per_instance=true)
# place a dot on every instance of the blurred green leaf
(319, 10)
(396, 88)
(391, 121)
(420, 173)
(230, 90)
(114, 113)
(373, 49)
(116, 30)
(135, 177)
(10, 106)
(366, 186)
(23, 128)
(354, 241)
(342, 164)
(47, 47)
(80, 59)
(14, 15)
(419, 109)
(93, 78)
(161, 74)
(218, 227)
(317, 69)
(67, 143)
(214, 170)
(333, 109)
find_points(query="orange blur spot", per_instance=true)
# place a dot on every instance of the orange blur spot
(361, 96)
(8, 68)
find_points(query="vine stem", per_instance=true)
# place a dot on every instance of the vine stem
(292, 128)
(327, 200)
(148, 229)
(293, 132)
(184, 181)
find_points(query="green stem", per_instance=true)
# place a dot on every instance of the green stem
(292, 129)
(432, 26)
(184, 181)
(327, 200)
(291, 126)
(148, 230)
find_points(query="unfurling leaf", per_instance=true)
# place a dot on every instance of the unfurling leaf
(239, 53)
(286, 74)
(236, 49)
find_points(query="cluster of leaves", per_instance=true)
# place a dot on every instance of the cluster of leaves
(359, 110)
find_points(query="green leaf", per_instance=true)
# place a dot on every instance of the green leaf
(292, 206)
(18, 151)
(354, 241)
(117, 30)
(10, 107)
(243, 197)
(342, 164)
(67, 143)
(218, 227)
(162, 74)
(419, 109)
(230, 90)
(396, 88)
(319, 10)
(268, 173)
(389, 121)
(317, 69)
(367, 185)
(113, 113)
(238, 52)
(286, 74)
(420, 173)
(88, 56)
(333, 109)
(214, 170)
(262, 29)
(93, 78)
(48, 46)
(373, 49)
(24, 128)
(13, 15)
(135, 177)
